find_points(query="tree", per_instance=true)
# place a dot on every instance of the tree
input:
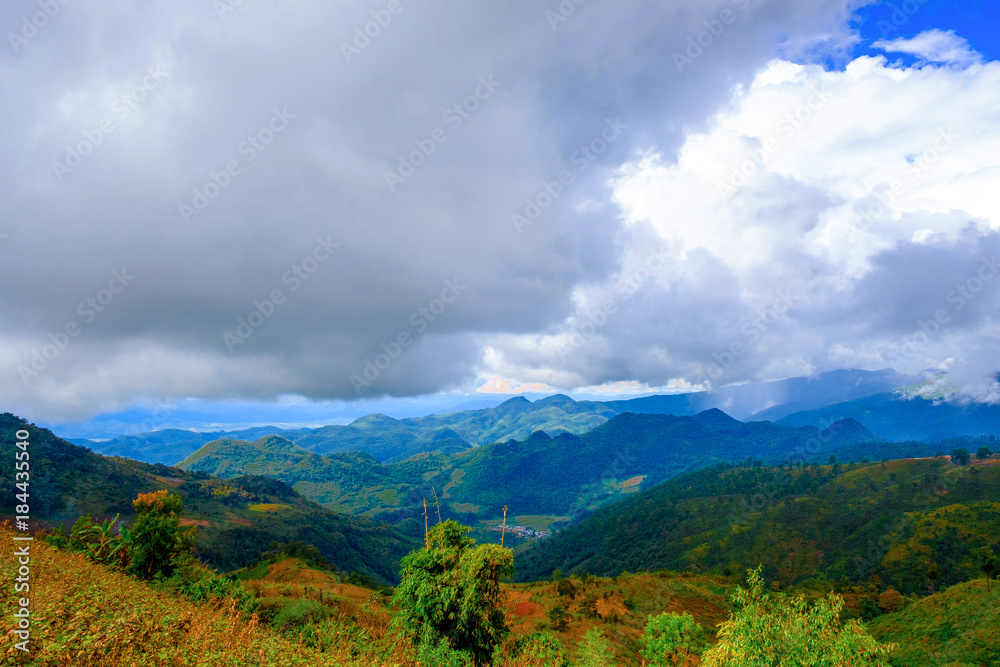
(961, 456)
(595, 651)
(670, 638)
(559, 617)
(566, 589)
(983, 453)
(787, 631)
(450, 592)
(156, 539)
(989, 563)
(890, 600)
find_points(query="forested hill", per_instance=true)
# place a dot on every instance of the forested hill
(236, 519)
(560, 478)
(913, 523)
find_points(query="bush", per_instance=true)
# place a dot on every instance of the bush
(540, 649)
(670, 638)
(890, 600)
(595, 651)
(156, 539)
(301, 612)
(787, 631)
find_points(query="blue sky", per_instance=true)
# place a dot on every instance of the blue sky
(978, 21)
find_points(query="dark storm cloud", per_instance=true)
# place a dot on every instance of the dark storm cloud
(119, 122)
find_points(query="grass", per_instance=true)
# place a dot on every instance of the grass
(86, 614)
(268, 507)
(958, 627)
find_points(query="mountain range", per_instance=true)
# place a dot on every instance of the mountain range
(392, 440)
(562, 477)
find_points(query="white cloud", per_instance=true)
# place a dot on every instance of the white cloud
(809, 184)
(936, 46)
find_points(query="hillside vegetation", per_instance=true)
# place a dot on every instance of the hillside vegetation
(958, 627)
(564, 477)
(236, 519)
(913, 524)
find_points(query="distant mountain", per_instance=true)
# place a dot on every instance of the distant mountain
(563, 476)
(746, 400)
(237, 519)
(391, 440)
(895, 417)
(893, 520)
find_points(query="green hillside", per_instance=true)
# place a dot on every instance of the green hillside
(236, 519)
(958, 627)
(910, 523)
(543, 480)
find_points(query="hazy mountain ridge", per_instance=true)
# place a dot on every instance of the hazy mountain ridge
(898, 417)
(391, 440)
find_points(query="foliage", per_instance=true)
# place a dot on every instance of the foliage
(769, 631)
(303, 551)
(451, 591)
(670, 638)
(156, 539)
(566, 588)
(983, 453)
(960, 456)
(108, 543)
(539, 649)
(890, 600)
(891, 520)
(959, 627)
(558, 617)
(989, 563)
(595, 651)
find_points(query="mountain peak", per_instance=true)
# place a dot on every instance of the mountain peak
(374, 419)
(715, 417)
(538, 436)
(514, 403)
(555, 399)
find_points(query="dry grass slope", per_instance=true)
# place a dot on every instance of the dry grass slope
(85, 614)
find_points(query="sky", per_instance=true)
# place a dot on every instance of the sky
(321, 203)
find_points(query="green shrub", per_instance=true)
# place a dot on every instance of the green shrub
(595, 651)
(540, 649)
(671, 637)
(787, 631)
(300, 612)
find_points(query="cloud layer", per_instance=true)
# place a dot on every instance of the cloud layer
(323, 199)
